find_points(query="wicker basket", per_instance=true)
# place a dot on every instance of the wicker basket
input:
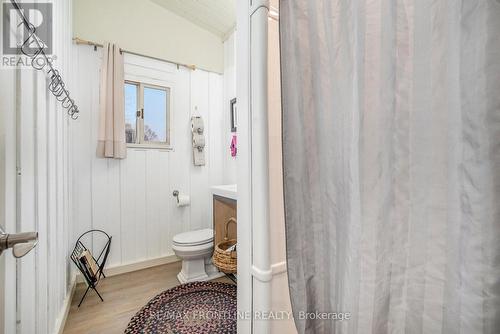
(226, 261)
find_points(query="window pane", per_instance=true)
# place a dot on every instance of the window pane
(155, 114)
(130, 112)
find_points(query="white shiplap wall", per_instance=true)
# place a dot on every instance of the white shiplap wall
(131, 199)
(37, 141)
(229, 93)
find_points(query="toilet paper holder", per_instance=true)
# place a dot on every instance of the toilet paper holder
(182, 200)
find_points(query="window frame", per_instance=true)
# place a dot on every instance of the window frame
(139, 123)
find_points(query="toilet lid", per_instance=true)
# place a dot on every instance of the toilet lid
(197, 237)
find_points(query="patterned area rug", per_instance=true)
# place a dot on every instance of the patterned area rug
(192, 308)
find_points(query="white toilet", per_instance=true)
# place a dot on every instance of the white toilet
(195, 249)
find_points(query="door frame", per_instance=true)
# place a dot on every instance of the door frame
(254, 267)
(244, 181)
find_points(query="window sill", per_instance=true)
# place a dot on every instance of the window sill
(151, 147)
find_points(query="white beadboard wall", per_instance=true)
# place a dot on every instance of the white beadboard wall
(37, 142)
(229, 93)
(131, 199)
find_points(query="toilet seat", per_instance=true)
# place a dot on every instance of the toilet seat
(194, 238)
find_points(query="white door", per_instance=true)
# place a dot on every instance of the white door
(2, 294)
(7, 197)
(9, 285)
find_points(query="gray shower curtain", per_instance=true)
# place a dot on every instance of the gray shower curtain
(391, 147)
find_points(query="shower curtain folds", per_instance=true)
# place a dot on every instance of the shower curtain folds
(391, 150)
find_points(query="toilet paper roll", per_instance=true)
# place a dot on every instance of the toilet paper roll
(183, 200)
(198, 141)
(197, 125)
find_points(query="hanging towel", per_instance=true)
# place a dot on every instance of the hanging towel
(234, 149)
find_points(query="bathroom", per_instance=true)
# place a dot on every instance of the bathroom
(260, 166)
(156, 191)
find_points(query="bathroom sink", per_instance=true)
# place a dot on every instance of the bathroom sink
(227, 191)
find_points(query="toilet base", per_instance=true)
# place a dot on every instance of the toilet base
(198, 270)
(182, 279)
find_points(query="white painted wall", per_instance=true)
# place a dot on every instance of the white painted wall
(230, 163)
(145, 27)
(38, 198)
(132, 199)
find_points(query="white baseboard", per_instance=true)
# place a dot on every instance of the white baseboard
(61, 320)
(134, 266)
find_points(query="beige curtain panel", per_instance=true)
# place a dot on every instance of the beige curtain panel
(111, 138)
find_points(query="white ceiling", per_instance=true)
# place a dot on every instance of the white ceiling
(216, 16)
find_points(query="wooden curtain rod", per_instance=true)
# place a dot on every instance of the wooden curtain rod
(78, 40)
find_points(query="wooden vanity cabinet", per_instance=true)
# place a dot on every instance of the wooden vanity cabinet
(224, 208)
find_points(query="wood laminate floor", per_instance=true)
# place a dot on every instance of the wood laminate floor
(123, 295)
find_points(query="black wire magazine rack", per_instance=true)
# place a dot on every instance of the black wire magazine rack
(91, 273)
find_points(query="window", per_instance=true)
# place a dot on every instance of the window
(147, 110)
(131, 111)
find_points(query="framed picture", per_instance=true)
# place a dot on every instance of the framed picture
(234, 115)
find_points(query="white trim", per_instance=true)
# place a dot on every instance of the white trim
(150, 72)
(139, 120)
(254, 267)
(140, 265)
(267, 275)
(159, 147)
(228, 34)
(264, 276)
(144, 62)
(244, 167)
(135, 266)
(278, 268)
(61, 320)
(259, 138)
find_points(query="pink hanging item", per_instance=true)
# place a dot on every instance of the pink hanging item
(234, 149)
